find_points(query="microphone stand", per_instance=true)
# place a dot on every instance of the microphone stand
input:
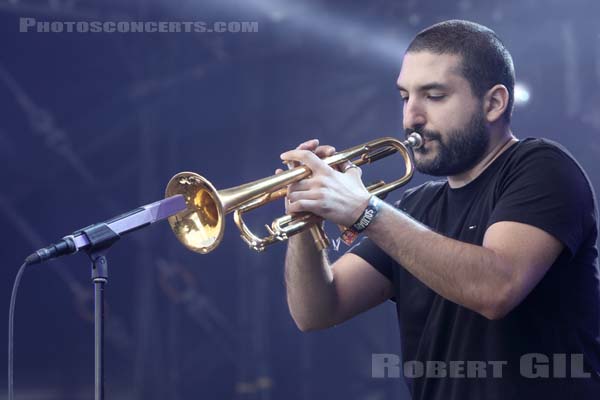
(96, 240)
(100, 278)
(101, 239)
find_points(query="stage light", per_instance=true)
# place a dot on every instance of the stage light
(361, 37)
(522, 94)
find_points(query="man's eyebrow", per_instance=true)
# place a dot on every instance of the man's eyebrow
(429, 86)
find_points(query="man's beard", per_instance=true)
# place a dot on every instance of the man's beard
(458, 152)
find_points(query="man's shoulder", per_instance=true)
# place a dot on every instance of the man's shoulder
(541, 156)
(541, 146)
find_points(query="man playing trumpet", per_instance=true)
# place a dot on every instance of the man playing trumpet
(496, 262)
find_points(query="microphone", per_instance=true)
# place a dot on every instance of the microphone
(103, 234)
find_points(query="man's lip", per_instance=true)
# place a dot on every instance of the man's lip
(425, 139)
(424, 144)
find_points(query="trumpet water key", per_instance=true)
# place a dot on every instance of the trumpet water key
(201, 226)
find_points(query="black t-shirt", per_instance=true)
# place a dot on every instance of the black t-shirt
(535, 182)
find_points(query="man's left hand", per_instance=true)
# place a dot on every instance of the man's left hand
(339, 197)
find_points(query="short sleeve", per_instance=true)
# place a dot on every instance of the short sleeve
(547, 189)
(368, 251)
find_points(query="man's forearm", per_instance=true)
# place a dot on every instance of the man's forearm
(470, 275)
(309, 282)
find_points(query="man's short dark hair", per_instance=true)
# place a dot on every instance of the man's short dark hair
(485, 60)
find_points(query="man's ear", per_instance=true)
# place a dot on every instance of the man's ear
(495, 103)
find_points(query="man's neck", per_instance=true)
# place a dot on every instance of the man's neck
(497, 146)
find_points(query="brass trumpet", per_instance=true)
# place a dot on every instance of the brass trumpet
(200, 228)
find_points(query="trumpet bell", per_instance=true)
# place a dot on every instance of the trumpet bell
(200, 228)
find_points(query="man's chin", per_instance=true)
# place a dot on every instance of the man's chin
(425, 164)
(428, 169)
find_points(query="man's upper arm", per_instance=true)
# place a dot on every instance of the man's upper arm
(546, 206)
(359, 286)
(527, 253)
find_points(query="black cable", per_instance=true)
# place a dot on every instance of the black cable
(11, 328)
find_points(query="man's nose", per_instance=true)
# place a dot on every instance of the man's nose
(414, 115)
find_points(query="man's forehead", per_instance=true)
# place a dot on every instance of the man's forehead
(423, 67)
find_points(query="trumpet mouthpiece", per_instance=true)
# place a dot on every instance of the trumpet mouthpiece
(414, 140)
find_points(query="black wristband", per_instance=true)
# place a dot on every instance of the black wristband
(368, 215)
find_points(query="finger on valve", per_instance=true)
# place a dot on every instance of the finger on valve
(325, 151)
(310, 145)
